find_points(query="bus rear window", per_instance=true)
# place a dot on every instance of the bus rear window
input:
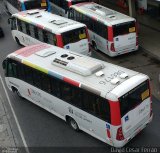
(33, 4)
(124, 28)
(74, 35)
(134, 97)
(79, 1)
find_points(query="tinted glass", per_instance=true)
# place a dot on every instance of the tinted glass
(74, 35)
(134, 97)
(124, 28)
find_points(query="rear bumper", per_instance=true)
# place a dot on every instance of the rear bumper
(117, 53)
(119, 144)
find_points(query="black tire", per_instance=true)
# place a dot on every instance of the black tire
(94, 46)
(17, 40)
(73, 124)
(15, 90)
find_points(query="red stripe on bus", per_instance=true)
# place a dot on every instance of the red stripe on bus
(40, 26)
(59, 41)
(29, 50)
(110, 34)
(115, 113)
(84, 3)
(71, 81)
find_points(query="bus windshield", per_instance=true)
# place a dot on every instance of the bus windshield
(124, 28)
(74, 35)
(79, 1)
(134, 97)
(33, 4)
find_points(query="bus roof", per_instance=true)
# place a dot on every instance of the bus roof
(48, 21)
(100, 13)
(99, 77)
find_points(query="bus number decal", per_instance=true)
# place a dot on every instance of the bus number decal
(112, 76)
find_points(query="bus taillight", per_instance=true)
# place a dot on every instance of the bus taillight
(112, 47)
(119, 135)
(137, 41)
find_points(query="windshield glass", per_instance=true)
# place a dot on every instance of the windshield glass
(79, 1)
(134, 97)
(33, 4)
(74, 35)
(124, 28)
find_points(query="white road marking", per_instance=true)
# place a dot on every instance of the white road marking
(15, 117)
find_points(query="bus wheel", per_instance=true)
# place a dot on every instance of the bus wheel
(16, 91)
(73, 124)
(94, 46)
(17, 40)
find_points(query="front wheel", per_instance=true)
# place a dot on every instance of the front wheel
(18, 42)
(73, 124)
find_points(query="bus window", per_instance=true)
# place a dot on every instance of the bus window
(74, 35)
(31, 29)
(33, 4)
(13, 24)
(19, 23)
(134, 97)
(124, 28)
(27, 29)
(51, 38)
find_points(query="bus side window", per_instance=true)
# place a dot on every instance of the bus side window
(23, 27)
(19, 23)
(37, 79)
(66, 91)
(21, 73)
(36, 32)
(12, 69)
(46, 83)
(56, 90)
(51, 38)
(40, 35)
(29, 74)
(13, 24)
(27, 29)
(31, 28)
(45, 36)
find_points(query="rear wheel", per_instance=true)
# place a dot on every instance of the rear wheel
(15, 90)
(73, 124)
(94, 46)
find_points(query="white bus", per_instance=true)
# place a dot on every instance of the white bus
(107, 101)
(35, 26)
(14, 6)
(111, 32)
(61, 7)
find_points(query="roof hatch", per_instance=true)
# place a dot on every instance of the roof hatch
(77, 64)
(45, 53)
(32, 12)
(102, 11)
(58, 22)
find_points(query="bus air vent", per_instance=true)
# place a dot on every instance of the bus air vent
(123, 76)
(115, 81)
(79, 65)
(32, 12)
(45, 53)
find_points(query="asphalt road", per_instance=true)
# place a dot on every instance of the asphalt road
(41, 129)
